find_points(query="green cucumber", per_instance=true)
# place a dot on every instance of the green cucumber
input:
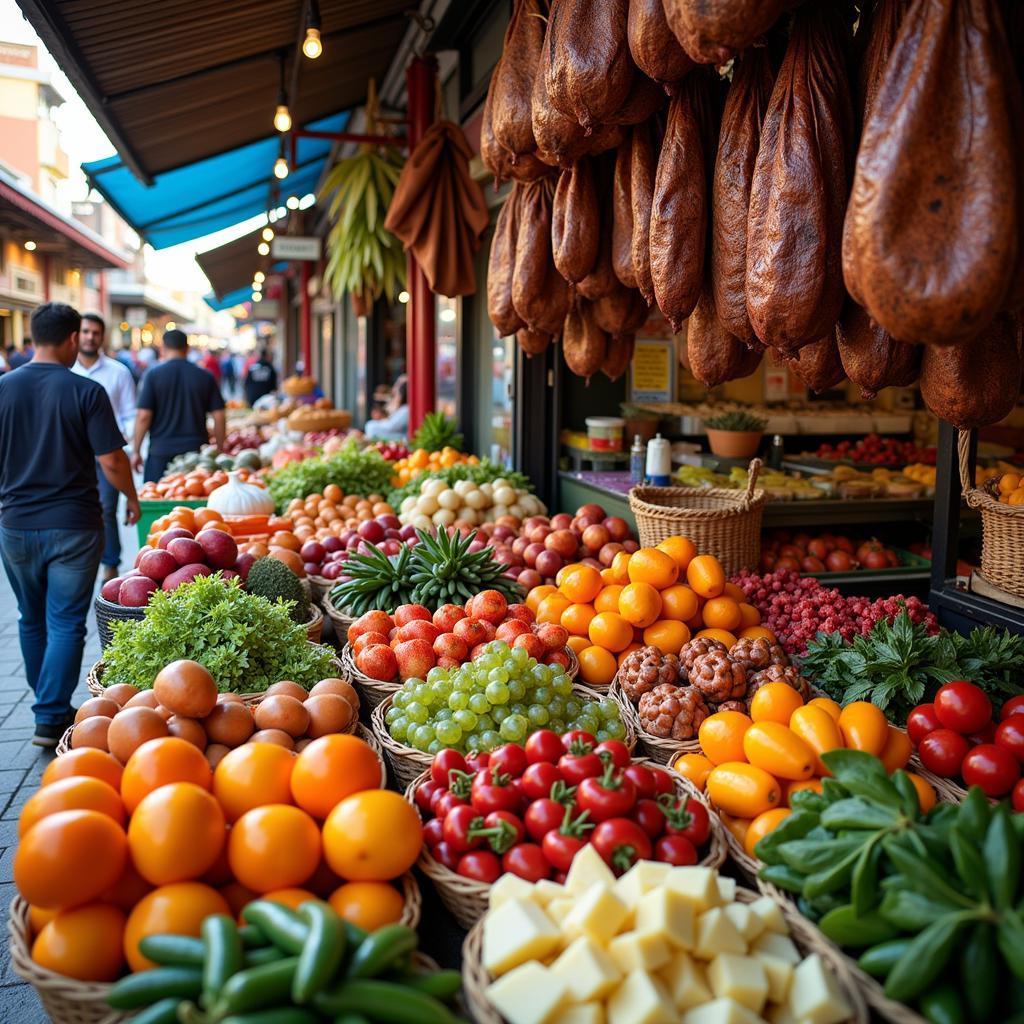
(380, 950)
(323, 952)
(281, 925)
(879, 960)
(172, 950)
(256, 987)
(223, 954)
(150, 986)
(385, 1002)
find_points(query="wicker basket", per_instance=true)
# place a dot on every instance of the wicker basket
(721, 522)
(475, 978)
(371, 691)
(319, 586)
(107, 613)
(467, 899)
(412, 906)
(340, 620)
(315, 626)
(654, 747)
(407, 762)
(1002, 530)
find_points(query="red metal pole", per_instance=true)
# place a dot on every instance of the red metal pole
(421, 341)
(304, 321)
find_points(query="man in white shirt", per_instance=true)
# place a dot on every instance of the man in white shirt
(116, 379)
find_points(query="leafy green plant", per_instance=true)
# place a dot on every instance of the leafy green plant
(246, 642)
(735, 421)
(355, 471)
(482, 473)
(375, 580)
(437, 432)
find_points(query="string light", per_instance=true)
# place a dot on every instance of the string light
(280, 167)
(263, 249)
(282, 118)
(256, 296)
(268, 233)
(312, 46)
(259, 276)
(31, 246)
(292, 202)
(403, 297)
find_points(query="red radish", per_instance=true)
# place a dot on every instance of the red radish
(174, 533)
(219, 549)
(186, 552)
(186, 574)
(135, 591)
(158, 565)
(109, 590)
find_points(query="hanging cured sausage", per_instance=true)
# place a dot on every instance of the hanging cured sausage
(622, 215)
(871, 358)
(620, 352)
(713, 354)
(643, 165)
(817, 366)
(540, 294)
(512, 81)
(654, 48)
(576, 222)
(501, 265)
(533, 343)
(584, 344)
(712, 31)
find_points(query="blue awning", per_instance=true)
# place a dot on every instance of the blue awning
(235, 298)
(214, 193)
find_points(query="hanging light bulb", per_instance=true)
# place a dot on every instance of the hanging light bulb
(292, 202)
(263, 249)
(403, 297)
(280, 167)
(282, 118)
(311, 45)
(256, 296)
(259, 277)
(268, 233)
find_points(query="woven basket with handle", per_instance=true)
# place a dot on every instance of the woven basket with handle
(664, 751)
(721, 522)
(1002, 529)
(340, 620)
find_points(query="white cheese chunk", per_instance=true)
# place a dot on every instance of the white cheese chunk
(582, 1013)
(588, 869)
(779, 973)
(587, 969)
(740, 978)
(726, 888)
(697, 884)
(510, 887)
(781, 946)
(640, 879)
(815, 996)
(515, 932)
(721, 1011)
(770, 914)
(529, 994)
(669, 914)
(747, 924)
(558, 910)
(639, 951)
(686, 982)
(545, 891)
(641, 999)
(597, 912)
(717, 934)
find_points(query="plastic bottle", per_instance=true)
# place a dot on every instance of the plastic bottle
(637, 455)
(777, 453)
(659, 461)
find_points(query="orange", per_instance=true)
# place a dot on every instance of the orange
(723, 635)
(680, 549)
(721, 736)
(551, 608)
(735, 592)
(706, 576)
(750, 617)
(925, 794)
(38, 917)
(639, 604)
(581, 583)
(369, 905)
(372, 836)
(159, 762)
(757, 633)
(695, 767)
(864, 727)
(789, 787)
(775, 702)
(764, 823)
(253, 775)
(743, 790)
(608, 599)
(826, 704)
(81, 792)
(69, 858)
(897, 750)
(649, 565)
(84, 761)
(667, 635)
(608, 576)
(535, 596)
(679, 602)
(330, 769)
(86, 943)
(818, 729)
(737, 827)
(721, 613)
(578, 643)
(610, 631)
(176, 833)
(1009, 482)
(276, 847)
(576, 618)
(620, 567)
(172, 909)
(779, 751)
(292, 897)
(624, 654)
(597, 666)
(127, 890)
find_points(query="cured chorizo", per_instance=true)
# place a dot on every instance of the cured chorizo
(540, 294)
(642, 167)
(501, 265)
(576, 222)
(654, 48)
(817, 366)
(512, 81)
(584, 344)
(712, 31)
(872, 358)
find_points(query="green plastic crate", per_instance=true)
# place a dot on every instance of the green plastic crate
(153, 510)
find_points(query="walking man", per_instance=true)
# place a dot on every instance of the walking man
(260, 379)
(54, 425)
(116, 380)
(173, 404)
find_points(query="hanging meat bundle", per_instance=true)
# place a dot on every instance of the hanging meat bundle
(576, 222)
(540, 294)
(655, 50)
(712, 31)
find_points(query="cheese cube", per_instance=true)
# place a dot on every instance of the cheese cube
(515, 932)
(721, 1011)
(773, 944)
(544, 891)
(815, 996)
(770, 914)
(597, 912)
(582, 1013)
(717, 934)
(779, 973)
(726, 888)
(640, 879)
(587, 970)
(780, 1014)
(643, 951)
(587, 869)
(686, 981)
(698, 884)
(666, 913)
(558, 910)
(740, 978)
(510, 887)
(529, 994)
(641, 999)
(747, 924)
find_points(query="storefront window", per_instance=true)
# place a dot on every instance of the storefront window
(447, 355)
(502, 368)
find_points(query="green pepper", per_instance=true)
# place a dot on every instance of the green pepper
(848, 929)
(864, 880)
(443, 985)
(923, 875)
(323, 952)
(942, 1005)
(279, 924)
(979, 973)
(910, 911)
(879, 960)
(172, 950)
(925, 958)
(263, 955)
(160, 983)
(256, 987)
(163, 1012)
(251, 936)
(380, 950)
(383, 1001)
(223, 954)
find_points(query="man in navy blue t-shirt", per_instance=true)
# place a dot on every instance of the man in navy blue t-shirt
(54, 425)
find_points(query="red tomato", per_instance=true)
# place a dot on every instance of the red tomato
(943, 751)
(538, 779)
(446, 761)
(477, 761)
(460, 824)
(642, 778)
(577, 767)
(963, 707)
(616, 751)
(676, 850)
(576, 739)
(609, 796)
(543, 816)
(1018, 796)
(491, 791)
(992, 767)
(984, 735)
(687, 817)
(921, 721)
(560, 849)
(506, 830)
(1014, 706)
(480, 865)
(433, 832)
(621, 843)
(444, 853)
(527, 861)
(426, 793)
(650, 817)
(544, 745)
(444, 800)
(662, 781)
(509, 759)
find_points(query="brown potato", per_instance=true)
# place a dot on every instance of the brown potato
(91, 732)
(229, 723)
(97, 706)
(133, 727)
(278, 736)
(280, 711)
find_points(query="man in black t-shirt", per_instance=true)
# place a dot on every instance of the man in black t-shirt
(261, 379)
(54, 425)
(173, 404)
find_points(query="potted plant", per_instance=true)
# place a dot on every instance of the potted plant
(639, 421)
(735, 435)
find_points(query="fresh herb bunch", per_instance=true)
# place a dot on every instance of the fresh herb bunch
(375, 580)
(897, 666)
(925, 900)
(483, 473)
(246, 642)
(355, 471)
(737, 420)
(437, 432)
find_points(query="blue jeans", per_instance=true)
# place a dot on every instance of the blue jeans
(109, 497)
(52, 573)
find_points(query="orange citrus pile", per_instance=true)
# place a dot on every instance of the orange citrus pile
(422, 461)
(108, 855)
(659, 596)
(1011, 489)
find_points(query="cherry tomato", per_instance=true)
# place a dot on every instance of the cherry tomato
(1014, 706)
(577, 738)
(444, 801)
(611, 795)
(1010, 734)
(544, 745)
(507, 828)
(492, 791)
(509, 759)
(444, 762)
(474, 762)
(687, 817)
(426, 792)
(521, 798)
(459, 823)
(1018, 796)
(542, 816)
(650, 817)
(943, 751)
(616, 751)
(676, 850)
(992, 767)
(577, 767)
(921, 721)
(643, 779)
(560, 849)
(621, 843)
(662, 781)
(433, 832)
(481, 865)
(538, 779)
(527, 860)
(963, 707)
(446, 854)
(984, 735)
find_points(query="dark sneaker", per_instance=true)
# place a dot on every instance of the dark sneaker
(48, 734)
